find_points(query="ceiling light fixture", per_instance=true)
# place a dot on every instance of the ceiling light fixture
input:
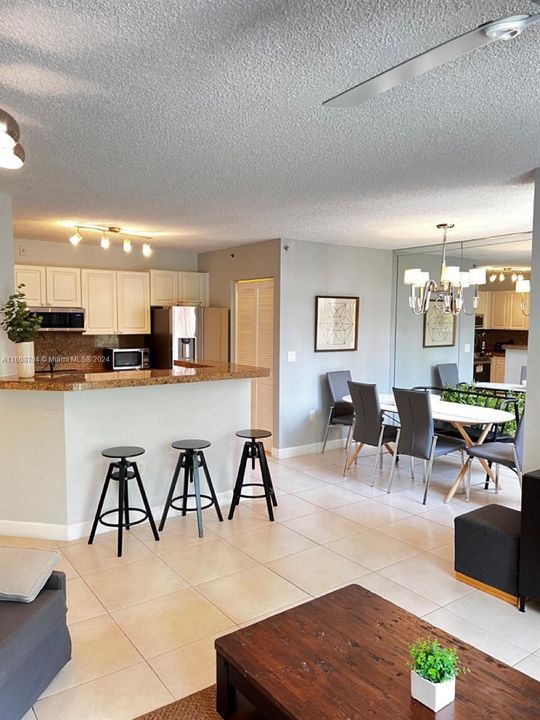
(492, 277)
(448, 292)
(105, 241)
(76, 238)
(146, 249)
(12, 154)
(126, 245)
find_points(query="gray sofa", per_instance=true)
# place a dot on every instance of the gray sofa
(34, 646)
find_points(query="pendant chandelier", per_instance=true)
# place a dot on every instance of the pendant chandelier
(12, 155)
(448, 291)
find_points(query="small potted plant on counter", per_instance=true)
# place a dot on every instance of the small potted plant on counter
(21, 326)
(433, 673)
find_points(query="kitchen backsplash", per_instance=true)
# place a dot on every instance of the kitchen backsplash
(519, 337)
(74, 351)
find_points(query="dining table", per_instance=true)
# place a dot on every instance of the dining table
(460, 416)
(502, 387)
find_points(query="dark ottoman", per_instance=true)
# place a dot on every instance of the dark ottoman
(487, 549)
(34, 645)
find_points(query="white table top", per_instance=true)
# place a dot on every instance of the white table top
(511, 387)
(452, 412)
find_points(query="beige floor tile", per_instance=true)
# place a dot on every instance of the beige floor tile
(187, 669)
(102, 554)
(429, 576)
(329, 497)
(373, 550)
(408, 501)
(324, 526)
(445, 551)
(251, 593)
(127, 585)
(178, 533)
(317, 570)
(27, 542)
(245, 518)
(66, 567)
(260, 618)
(484, 640)
(397, 594)
(360, 487)
(168, 622)
(419, 532)
(99, 648)
(81, 602)
(445, 514)
(294, 482)
(327, 473)
(270, 542)
(530, 666)
(122, 695)
(521, 629)
(211, 560)
(289, 507)
(370, 513)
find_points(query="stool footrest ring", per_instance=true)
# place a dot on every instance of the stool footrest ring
(191, 509)
(123, 523)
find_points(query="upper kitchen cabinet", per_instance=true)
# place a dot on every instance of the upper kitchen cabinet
(193, 287)
(484, 307)
(33, 279)
(99, 300)
(133, 290)
(499, 311)
(163, 287)
(518, 321)
(63, 287)
(505, 311)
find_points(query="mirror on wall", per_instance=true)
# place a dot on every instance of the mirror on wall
(487, 343)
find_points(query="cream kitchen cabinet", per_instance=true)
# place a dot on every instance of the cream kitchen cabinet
(63, 287)
(133, 298)
(163, 287)
(484, 307)
(517, 320)
(33, 279)
(497, 369)
(499, 310)
(505, 311)
(193, 287)
(99, 298)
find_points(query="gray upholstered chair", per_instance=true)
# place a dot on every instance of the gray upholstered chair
(416, 436)
(446, 375)
(509, 455)
(369, 428)
(523, 374)
(341, 412)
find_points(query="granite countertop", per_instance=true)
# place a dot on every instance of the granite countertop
(515, 347)
(184, 372)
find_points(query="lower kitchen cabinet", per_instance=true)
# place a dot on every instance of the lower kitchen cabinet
(497, 369)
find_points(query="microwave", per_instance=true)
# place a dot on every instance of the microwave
(126, 358)
(60, 319)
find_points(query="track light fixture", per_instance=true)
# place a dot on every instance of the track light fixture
(109, 231)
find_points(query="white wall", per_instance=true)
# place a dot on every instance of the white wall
(7, 282)
(310, 269)
(89, 254)
(532, 411)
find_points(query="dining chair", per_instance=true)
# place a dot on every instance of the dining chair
(341, 412)
(416, 436)
(446, 375)
(523, 374)
(369, 428)
(509, 455)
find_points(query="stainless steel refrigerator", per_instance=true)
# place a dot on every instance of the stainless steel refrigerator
(188, 333)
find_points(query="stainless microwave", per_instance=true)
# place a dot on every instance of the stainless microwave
(127, 358)
(55, 319)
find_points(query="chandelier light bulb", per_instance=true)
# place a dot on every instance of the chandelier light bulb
(127, 245)
(146, 249)
(105, 241)
(76, 238)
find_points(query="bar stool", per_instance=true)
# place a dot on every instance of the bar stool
(190, 460)
(122, 472)
(254, 450)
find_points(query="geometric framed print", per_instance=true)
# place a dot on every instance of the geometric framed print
(439, 327)
(336, 323)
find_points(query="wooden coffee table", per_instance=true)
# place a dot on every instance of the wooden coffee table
(344, 657)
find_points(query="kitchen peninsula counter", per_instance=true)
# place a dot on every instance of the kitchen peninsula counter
(53, 435)
(186, 372)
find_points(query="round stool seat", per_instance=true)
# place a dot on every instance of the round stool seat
(253, 433)
(191, 444)
(122, 452)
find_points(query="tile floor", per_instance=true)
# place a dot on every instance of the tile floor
(143, 626)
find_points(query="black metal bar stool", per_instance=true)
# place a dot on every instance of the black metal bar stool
(254, 450)
(190, 460)
(122, 472)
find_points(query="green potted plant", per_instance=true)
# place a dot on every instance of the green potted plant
(21, 326)
(433, 673)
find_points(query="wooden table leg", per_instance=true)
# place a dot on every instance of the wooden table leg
(389, 448)
(469, 442)
(225, 692)
(355, 454)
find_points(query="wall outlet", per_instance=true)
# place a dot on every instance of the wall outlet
(23, 250)
(312, 415)
(291, 356)
(467, 348)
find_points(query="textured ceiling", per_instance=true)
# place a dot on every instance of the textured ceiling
(202, 120)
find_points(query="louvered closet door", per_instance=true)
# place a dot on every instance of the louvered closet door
(254, 344)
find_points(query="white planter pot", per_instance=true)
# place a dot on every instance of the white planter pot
(434, 695)
(25, 359)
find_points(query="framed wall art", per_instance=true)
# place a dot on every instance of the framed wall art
(439, 327)
(336, 323)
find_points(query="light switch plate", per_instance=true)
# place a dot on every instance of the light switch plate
(467, 348)
(291, 356)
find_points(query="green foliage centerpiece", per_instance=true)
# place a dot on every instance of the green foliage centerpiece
(433, 673)
(21, 326)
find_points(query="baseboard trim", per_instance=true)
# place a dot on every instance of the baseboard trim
(77, 531)
(489, 589)
(312, 449)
